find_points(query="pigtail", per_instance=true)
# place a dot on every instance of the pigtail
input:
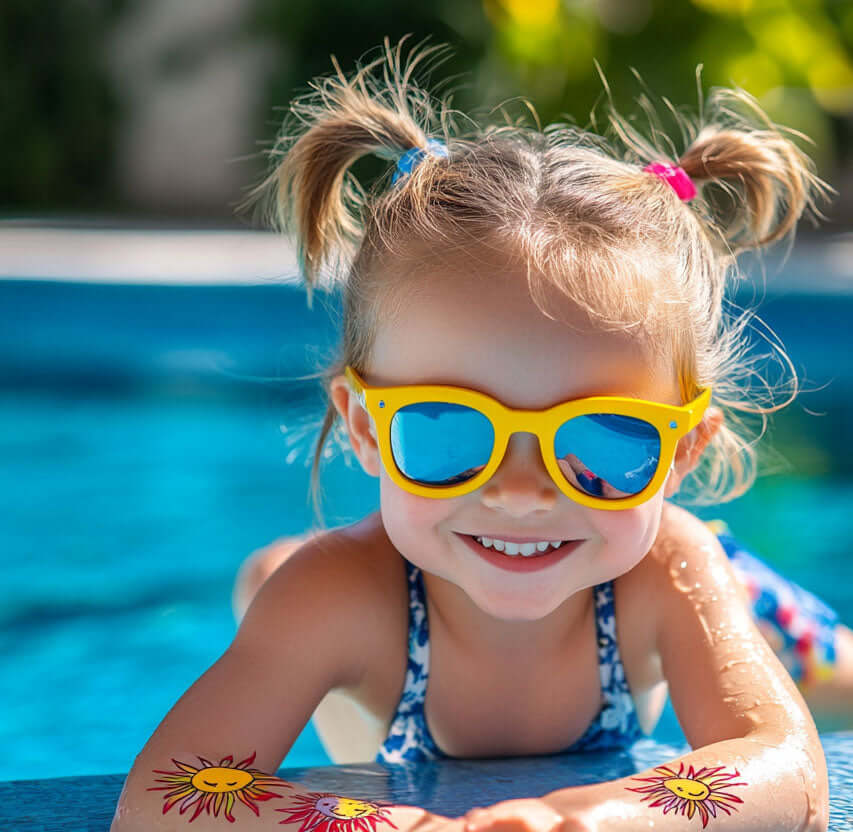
(311, 192)
(768, 180)
(753, 184)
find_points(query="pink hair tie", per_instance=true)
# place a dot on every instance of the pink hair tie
(676, 177)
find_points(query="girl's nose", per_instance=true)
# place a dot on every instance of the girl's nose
(521, 484)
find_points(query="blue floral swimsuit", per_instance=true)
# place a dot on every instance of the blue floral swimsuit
(799, 627)
(409, 738)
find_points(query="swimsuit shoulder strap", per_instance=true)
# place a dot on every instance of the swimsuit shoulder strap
(409, 737)
(618, 710)
(417, 672)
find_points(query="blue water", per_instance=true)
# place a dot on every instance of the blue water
(142, 459)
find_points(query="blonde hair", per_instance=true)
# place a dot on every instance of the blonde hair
(584, 216)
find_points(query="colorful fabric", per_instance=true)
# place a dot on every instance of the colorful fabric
(798, 625)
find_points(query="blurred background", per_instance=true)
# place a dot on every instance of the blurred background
(157, 408)
(158, 108)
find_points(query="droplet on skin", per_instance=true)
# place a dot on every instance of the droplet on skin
(680, 578)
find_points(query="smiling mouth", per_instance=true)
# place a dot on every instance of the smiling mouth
(525, 550)
(521, 563)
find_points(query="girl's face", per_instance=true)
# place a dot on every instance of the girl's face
(486, 333)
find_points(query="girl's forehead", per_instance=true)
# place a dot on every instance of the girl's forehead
(488, 334)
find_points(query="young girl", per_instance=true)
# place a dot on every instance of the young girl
(535, 356)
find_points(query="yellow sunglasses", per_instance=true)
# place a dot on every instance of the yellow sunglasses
(606, 452)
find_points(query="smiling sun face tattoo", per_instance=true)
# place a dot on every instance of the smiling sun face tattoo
(216, 786)
(324, 812)
(691, 792)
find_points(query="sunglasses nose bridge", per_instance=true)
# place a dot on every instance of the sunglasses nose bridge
(520, 484)
(532, 423)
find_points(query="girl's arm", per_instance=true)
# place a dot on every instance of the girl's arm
(211, 762)
(758, 763)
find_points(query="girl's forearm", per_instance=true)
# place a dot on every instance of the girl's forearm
(215, 797)
(749, 783)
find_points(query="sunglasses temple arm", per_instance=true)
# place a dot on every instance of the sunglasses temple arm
(698, 409)
(358, 391)
(356, 387)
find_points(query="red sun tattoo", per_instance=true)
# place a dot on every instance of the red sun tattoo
(216, 786)
(691, 792)
(325, 812)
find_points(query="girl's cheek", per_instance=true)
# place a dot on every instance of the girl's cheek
(629, 534)
(411, 521)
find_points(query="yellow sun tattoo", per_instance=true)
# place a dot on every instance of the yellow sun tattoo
(216, 786)
(324, 812)
(691, 792)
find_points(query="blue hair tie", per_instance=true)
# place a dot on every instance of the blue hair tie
(413, 157)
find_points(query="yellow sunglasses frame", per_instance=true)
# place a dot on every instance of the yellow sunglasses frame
(672, 422)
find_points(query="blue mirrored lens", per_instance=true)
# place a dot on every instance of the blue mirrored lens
(436, 443)
(608, 455)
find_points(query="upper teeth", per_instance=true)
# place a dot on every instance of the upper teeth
(525, 549)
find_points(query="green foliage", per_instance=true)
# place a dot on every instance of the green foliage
(58, 109)
(307, 32)
(794, 55)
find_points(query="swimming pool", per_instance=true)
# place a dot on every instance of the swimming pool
(143, 459)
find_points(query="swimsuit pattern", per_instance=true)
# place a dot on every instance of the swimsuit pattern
(409, 738)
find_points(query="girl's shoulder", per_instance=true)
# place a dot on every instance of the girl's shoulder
(368, 555)
(346, 575)
(703, 629)
(685, 574)
(649, 597)
(682, 531)
(361, 557)
(684, 544)
(359, 552)
(378, 569)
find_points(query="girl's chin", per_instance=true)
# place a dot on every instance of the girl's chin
(525, 601)
(513, 609)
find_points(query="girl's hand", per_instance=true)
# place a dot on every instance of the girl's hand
(526, 815)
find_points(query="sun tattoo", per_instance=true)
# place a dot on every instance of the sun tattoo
(216, 786)
(325, 812)
(690, 792)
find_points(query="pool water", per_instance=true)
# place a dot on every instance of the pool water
(143, 458)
